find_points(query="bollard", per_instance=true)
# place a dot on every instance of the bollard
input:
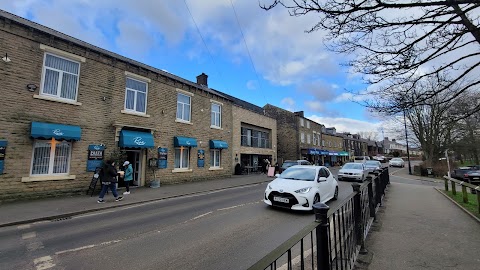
(465, 194)
(454, 188)
(357, 208)
(323, 256)
(446, 184)
(478, 197)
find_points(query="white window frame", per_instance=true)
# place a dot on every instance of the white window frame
(314, 136)
(135, 98)
(323, 143)
(301, 122)
(182, 167)
(215, 115)
(60, 78)
(302, 137)
(183, 107)
(52, 158)
(308, 138)
(308, 124)
(213, 154)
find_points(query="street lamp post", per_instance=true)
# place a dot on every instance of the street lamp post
(406, 139)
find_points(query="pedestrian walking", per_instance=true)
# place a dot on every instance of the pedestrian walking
(128, 176)
(109, 180)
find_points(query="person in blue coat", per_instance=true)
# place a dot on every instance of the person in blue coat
(128, 176)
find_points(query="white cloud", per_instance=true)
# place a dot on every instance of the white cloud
(346, 124)
(289, 104)
(314, 106)
(252, 85)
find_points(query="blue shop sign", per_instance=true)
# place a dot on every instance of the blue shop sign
(95, 156)
(201, 158)
(162, 158)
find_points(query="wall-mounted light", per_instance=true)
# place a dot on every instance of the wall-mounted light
(6, 59)
(31, 87)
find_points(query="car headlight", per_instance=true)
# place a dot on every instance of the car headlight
(303, 190)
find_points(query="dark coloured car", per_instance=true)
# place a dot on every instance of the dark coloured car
(459, 173)
(472, 177)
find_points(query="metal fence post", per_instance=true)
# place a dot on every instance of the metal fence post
(378, 192)
(371, 203)
(357, 208)
(323, 253)
(388, 175)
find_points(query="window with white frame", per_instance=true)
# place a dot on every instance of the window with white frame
(314, 138)
(215, 158)
(216, 118)
(323, 142)
(318, 139)
(301, 122)
(308, 138)
(302, 137)
(183, 107)
(182, 157)
(48, 160)
(60, 77)
(308, 124)
(136, 96)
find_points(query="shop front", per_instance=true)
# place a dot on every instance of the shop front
(135, 144)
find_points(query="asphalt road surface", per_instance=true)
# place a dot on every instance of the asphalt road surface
(227, 229)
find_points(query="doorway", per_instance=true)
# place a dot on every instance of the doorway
(135, 158)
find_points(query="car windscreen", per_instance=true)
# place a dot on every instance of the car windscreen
(371, 163)
(299, 173)
(288, 164)
(355, 166)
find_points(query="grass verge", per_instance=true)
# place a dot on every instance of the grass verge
(471, 206)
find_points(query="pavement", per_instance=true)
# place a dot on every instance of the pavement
(417, 227)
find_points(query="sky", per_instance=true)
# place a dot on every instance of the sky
(256, 55)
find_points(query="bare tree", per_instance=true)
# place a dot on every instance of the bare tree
(369, 135)
(397, 44)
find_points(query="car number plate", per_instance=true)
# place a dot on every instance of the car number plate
(280, 199)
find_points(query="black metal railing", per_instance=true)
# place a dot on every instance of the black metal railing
(337, 236)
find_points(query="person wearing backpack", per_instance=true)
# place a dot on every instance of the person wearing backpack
(109, 180)
(128, 176)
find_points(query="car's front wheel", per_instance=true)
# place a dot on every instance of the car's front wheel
(335, 195)
(316, 199)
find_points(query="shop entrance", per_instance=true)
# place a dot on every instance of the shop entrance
(135, 158)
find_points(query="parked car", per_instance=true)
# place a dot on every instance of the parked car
(472, 177)
(396, 162)
(459, 173)
(353, 171)
(373, 165)
(361, 159)
(289, 163)
(299, 187)
(382, 159)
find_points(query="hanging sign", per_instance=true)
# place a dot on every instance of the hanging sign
(162, 158)
(3, 149)
(201, 158)
(95, 156)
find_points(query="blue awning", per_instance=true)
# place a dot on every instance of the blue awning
(216, 144)
(57, 131)
(136, 139)
(184, 141)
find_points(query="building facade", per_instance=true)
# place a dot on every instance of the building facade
(334, 145)
(70, 105)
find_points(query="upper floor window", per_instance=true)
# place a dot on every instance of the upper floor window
(301, 122)
(136, 96)
(323, 142)
(302, 137)
(308, 124)
(183, 107)
(60, 77)
(255, 138)
(216, 118)
(51, 160)
(308, 138)
(314, 138)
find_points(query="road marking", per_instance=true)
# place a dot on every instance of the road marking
(202, 215)
(34, 246)
(43, 263)
(87, 247)
(29, 235)
(23, 227)
(240, 205)
(296, 260)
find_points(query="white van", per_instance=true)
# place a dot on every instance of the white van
(361, 159)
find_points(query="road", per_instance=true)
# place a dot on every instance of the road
(227, 229)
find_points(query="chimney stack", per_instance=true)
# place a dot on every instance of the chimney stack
(202, 79)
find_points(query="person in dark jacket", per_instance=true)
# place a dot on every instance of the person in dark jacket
(109, 180)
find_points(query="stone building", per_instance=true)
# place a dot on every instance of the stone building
(333, 143)
(68, 105)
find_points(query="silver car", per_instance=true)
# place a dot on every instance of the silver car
(353, 171)
(396, 162)
(373, 165)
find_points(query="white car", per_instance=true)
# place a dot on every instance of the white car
(353, 171)
(301, 186)
(396, 162)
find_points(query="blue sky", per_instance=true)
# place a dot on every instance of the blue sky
(263, 57)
